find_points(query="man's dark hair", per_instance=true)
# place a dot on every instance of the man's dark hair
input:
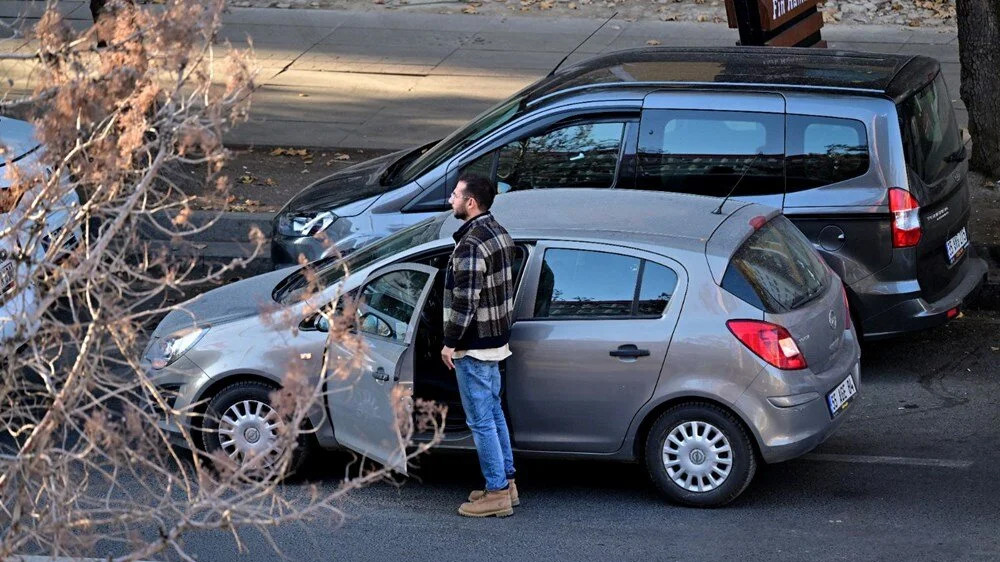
(480, 189)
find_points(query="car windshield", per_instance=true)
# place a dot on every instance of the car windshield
(333, 269)
(486, 123)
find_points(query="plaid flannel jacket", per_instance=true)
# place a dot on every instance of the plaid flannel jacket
(479, 286)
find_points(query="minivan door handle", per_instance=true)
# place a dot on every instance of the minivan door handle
(629, 351)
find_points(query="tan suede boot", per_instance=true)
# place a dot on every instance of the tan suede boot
(514, 499)
(492, 503)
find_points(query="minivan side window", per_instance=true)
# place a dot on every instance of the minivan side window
(824, 150)
(578, 155)
(584, 284)
(707, 152)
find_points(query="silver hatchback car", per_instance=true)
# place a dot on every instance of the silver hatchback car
(696, 337)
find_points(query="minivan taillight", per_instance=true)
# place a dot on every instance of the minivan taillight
(770, 342)
(905, 218)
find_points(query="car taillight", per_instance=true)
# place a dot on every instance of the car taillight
(847, 309)
(770, 342)
(905, 218)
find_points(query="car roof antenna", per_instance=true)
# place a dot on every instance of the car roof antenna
(735, 185)
(575, 49)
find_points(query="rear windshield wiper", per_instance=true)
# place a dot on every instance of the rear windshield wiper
(957, 156)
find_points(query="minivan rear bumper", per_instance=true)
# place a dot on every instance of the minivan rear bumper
(907, 311)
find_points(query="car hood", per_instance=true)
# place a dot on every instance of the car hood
(358, 182)
(229, 303)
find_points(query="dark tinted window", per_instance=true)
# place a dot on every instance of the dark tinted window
(930, 132)
(776, 268)
(433, 199)
(706, 152)
(576, 283)
(658, 284)
(586, 284)
(581, 155)
(824, 150)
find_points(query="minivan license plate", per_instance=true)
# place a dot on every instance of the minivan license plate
(840, 397)
(956, 245)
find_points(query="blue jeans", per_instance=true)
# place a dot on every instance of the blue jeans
(479, 386)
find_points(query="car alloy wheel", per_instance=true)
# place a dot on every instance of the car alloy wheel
(249, 429)
(700, 454)
(697, 456)
(241, 423)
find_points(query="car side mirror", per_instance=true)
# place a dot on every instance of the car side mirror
(322, 323)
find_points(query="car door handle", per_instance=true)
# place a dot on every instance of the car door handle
(629, 350)
(380, 375)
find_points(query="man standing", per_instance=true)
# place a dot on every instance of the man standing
(478, 305)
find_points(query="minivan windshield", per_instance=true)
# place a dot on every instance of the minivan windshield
(930, 132)
(483, 125)
(776, 269)
(333, 269)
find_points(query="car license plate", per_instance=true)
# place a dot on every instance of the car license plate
(840, 397)
(6, 277)
(956, 245)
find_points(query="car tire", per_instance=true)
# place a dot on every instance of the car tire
(699, 455)
(232, 402)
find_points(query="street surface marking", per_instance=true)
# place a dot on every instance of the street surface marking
(872, 459)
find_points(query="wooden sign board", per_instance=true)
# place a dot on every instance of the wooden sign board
(776, 13)
(786, 23)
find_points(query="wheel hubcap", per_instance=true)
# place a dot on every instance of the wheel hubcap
(248, 430)
(697, 456)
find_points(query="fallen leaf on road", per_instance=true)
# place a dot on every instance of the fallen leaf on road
(246, 178)
(652, 42)
(270, 182)
(341, 156)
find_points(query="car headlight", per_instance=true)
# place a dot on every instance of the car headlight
(304, 224)
(167, 350)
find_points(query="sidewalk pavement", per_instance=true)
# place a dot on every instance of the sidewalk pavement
(391, 80)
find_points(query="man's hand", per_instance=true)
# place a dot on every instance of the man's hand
(447, 355)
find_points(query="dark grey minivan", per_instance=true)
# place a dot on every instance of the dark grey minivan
(861, 151)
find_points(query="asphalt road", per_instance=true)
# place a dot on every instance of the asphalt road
(912, 475)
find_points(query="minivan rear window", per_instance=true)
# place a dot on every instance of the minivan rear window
(930, 132)
(776, 269)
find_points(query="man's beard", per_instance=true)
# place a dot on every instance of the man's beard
(460, 214)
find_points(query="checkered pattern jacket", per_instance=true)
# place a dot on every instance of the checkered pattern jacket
(479, 286)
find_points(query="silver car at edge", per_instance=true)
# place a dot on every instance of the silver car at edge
(696, 338)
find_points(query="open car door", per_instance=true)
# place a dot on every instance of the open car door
(365, 402)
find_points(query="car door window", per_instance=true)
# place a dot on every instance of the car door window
(580, 284)
(656, 289)
(388, 303)
(578, 155)
(824, 150)
(708, 152)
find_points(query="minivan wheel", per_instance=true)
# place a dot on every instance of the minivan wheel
(241, 423)
(699, 455)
